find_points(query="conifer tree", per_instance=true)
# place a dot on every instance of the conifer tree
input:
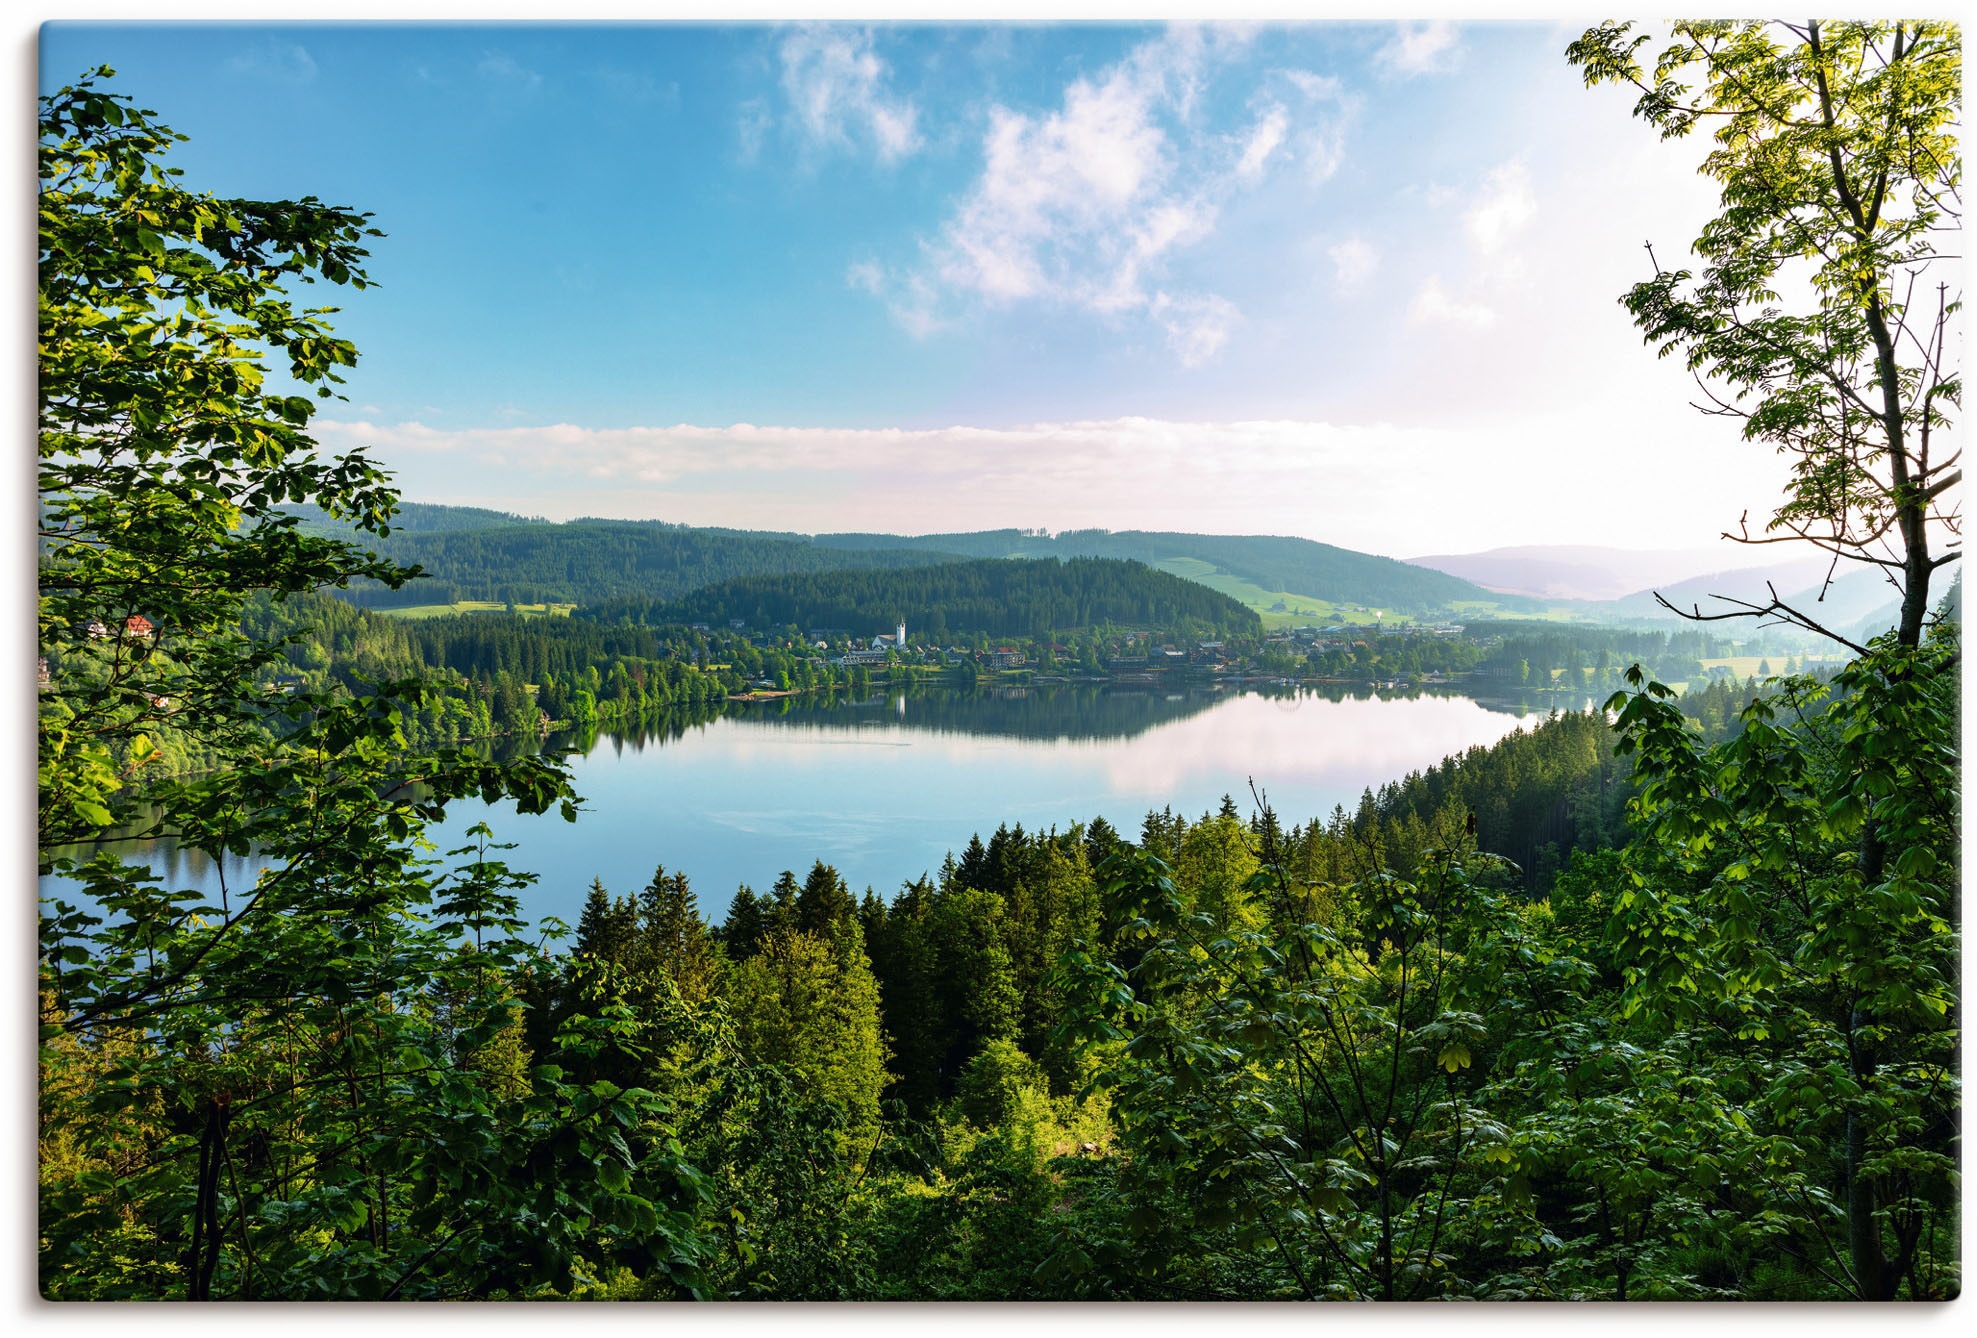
(824, 900)
(741, 932)
(675, 938)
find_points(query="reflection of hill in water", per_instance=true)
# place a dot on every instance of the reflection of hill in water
(1047, 712)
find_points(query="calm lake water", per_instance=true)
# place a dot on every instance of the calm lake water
(885, 788)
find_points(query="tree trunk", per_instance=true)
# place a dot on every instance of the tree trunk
(1871, 1274)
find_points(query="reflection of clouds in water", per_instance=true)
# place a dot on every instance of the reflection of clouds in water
(1284, 743)
(1323, 743)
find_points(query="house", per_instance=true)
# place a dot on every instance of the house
(41, 670)
(97, 631)
(853, 658)
(138, 625)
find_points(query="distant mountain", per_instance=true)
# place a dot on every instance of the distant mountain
(585, 561)
(1563, 571)
(1853, 594)
(1270, 562)
(1871, 590)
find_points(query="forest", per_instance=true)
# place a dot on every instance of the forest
(473, 554)
(1658, 1000)
(1000, 596)
(593, 561)
(1271, 562)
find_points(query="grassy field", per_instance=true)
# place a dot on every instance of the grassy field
(1478, 608)
(476, 606)
(1279, 608)
(1284, 608)
(1746, 666)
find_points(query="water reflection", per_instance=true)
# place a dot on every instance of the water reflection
(1053, 711)
(885, 786)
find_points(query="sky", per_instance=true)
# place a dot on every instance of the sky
(1356, 282)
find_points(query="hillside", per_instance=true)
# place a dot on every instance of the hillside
(1298, 567)
(999, 597)
(507, 558)
(473, 554)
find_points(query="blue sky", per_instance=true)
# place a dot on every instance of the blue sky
(1350, 281)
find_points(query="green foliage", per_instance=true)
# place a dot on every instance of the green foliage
(470, 554)
(808, 1003)
(1835, 147)
(1794, 890)
(1307, 1084)
(312, 1085)
(1319, 571)
(1000, 597)
(164, 450)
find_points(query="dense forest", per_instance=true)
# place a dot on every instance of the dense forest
(1655, 1000)
(489, 555)
(592, 561)
(1001, 597)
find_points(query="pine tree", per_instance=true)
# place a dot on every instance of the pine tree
(973, 869)
(824, 901)
(608, 928)
(741, 933)
(780, 916)
(675, 938)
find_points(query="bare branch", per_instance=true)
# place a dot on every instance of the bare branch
(1777, 610)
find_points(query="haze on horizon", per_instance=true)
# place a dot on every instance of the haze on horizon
(1351, 282)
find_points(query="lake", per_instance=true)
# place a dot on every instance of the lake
(885, 788)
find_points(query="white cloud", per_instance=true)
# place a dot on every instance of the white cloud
(505, 72)
(1433, 306)
(1061, 196)
(1505, 205)
(1419, 48)
(836, 85)
(277, 61)
(1264, 139)
(1330, 109)
(1196, 327)
(1087, 205)
(866, 275)
(1359, 485)
(1353, 261)
(910, 298)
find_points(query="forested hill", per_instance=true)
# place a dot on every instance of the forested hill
(471, 553)
(415, 518)
(499, 557)
(999, 597)
(1303, 566)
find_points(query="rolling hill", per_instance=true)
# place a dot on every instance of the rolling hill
(997, 596)
(472, 554)
(1270, 564)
